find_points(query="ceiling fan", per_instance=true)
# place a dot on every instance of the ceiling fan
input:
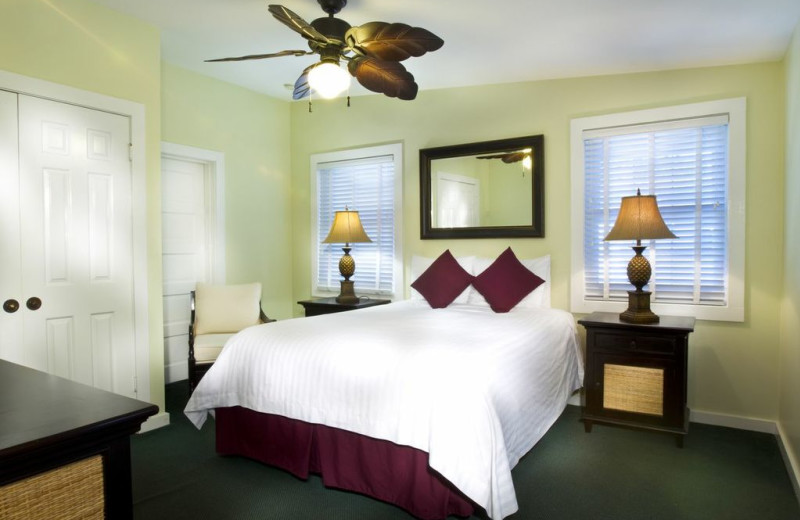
(373, 52)
(510, 157)
(525, 156)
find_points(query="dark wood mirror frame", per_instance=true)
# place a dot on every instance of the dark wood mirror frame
(535, 229)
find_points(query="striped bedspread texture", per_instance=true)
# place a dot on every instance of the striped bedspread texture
(472, 388)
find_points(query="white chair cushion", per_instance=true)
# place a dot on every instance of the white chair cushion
(226, 308)
(208, 346)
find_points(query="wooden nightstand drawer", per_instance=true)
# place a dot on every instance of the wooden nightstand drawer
(635, 342)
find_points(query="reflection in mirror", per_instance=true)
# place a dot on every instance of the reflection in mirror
(490, 189)
(469, 192)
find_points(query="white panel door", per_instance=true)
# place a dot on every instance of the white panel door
(10, 279)
(186, 259)
(458, 201)
(75, 245)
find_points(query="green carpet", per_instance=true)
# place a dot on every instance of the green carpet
(611, 473)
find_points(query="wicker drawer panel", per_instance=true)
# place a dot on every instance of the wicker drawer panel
(637, 342)
(74, 491)
(633, 389)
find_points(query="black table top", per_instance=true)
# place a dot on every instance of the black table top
(611, 319)
(331, 302)
(39, 410)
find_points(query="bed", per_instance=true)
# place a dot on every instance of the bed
(447, 400)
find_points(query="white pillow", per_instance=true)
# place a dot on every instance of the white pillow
(420, 263)
(539, 297)
(226, 308)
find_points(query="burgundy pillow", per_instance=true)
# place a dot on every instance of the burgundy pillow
(443, 281)
(506, 282)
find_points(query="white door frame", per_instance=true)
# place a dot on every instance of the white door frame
(214, 165)
(135, 111)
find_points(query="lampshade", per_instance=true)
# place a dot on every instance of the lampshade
(346, 228)
(639, 219)
(328, 79)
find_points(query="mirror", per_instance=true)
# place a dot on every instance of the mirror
(493, 189)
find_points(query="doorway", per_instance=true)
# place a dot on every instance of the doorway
(193, 240)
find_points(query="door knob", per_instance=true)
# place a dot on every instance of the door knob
(11, 306)
(33, 303)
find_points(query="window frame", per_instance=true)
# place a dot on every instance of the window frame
(396, 151)
(736, 110)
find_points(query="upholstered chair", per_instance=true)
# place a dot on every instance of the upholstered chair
(219, 312)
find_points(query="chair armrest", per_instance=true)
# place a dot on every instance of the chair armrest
(263, 317)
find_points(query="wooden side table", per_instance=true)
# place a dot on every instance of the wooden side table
(636, 374)
(318, 306)
(58, 435)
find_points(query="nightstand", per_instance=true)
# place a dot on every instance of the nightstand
(319, 306)
(636, 373)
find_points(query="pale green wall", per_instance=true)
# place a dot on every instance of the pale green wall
(789, 416)
(253, 132)
(510, 194)
(77, 43)
(733, 366)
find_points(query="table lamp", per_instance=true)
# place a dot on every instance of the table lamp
(346, 228)
(639, 219)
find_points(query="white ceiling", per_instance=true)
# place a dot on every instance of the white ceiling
(486, 41)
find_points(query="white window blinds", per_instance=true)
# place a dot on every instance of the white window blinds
(366, 185)
(685, 164)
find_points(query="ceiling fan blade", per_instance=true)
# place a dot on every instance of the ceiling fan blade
(301, 86)
(392, 41)
(512, 157)
(262, 56)
(495, 156)
(508, 157)
(293, 21)
(385, 77)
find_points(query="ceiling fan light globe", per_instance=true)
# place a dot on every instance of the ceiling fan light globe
(328, 80)
(527, 162)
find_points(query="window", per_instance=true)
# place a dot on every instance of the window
(367, 180)
(692, 158)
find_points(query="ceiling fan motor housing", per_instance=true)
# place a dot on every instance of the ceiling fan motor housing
(333, 28)
(332, 6)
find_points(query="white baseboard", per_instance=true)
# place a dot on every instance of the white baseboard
(792, 464)
(158, 420)
(732, 421)
(176, 371)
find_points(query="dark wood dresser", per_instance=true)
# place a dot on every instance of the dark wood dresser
(318, 306)
(64, 447)
(636, 374)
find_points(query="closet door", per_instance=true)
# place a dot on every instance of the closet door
(75, 245)
(10, 280)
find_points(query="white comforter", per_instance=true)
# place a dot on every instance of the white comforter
(472, 388)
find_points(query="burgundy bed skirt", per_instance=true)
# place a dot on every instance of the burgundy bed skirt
(381, 469)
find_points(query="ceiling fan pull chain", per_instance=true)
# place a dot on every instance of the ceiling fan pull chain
(348, 100)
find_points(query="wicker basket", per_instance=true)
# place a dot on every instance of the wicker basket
(74, 491)
(633, 389)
